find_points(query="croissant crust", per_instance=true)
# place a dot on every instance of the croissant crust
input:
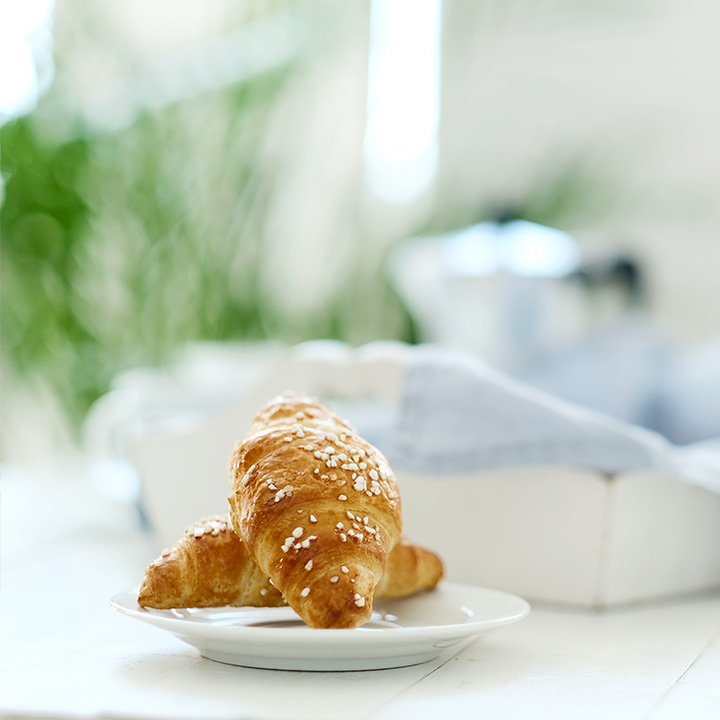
(209, 566)
(318, 509)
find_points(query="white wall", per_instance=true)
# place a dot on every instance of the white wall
(630, 91)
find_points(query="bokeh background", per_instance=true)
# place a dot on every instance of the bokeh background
(274, 171)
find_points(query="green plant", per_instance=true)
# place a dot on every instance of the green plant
(118, 247)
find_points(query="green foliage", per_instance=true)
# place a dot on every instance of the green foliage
(118, 247)
(43, 220)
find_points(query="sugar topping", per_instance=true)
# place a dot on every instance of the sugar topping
(287, 491)
(289, 542)
(209, 526)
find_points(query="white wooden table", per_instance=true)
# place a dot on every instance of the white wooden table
(65, 654)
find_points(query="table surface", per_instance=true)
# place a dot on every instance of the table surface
(64, 653)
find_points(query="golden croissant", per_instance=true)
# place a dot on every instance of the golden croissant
(317, 507)
(209, 566)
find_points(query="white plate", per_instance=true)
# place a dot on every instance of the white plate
(401, 632)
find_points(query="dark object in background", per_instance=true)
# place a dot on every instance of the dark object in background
(622, 272)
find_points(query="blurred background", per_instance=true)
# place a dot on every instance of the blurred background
(534, 182)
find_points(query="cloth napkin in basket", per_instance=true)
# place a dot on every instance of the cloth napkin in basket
(457, 415)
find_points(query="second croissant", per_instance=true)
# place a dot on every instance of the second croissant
(209, 566)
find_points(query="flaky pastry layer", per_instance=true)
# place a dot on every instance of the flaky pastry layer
(318, 508)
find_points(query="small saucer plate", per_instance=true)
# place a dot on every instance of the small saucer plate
(401, 632)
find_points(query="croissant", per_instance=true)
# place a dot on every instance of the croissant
(410, 569)
(209, 566)
(318, 509)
